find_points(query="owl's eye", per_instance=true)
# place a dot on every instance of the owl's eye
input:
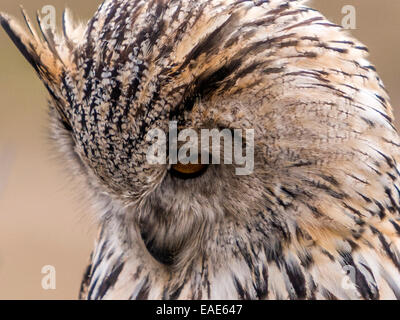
(188, 171)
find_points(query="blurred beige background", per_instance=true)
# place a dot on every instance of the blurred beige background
(42, 220)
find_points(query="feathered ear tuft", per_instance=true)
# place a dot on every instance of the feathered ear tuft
(50, 55)
(41, 54)
(73, 32)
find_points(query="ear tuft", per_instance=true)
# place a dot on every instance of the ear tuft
(73, 32)
(49, 54)
(38, 53)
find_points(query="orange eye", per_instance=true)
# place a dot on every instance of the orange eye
(188, 171)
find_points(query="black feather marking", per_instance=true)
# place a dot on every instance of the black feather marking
(209, 43)
(87, 276)
(388, 250)
(143, 294)
(33, 60)
(176, 292)
(261, 285)
(243, 294)
(297, 279)
(360, 280)
(93, 284)
(396, 226)
(328, 295)
(110, 280)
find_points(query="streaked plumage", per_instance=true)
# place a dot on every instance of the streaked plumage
(324, 195)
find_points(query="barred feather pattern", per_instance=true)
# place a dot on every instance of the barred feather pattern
(324, 196)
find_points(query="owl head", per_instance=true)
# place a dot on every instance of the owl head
(322, 126)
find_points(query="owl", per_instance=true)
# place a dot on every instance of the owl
(317, 218)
